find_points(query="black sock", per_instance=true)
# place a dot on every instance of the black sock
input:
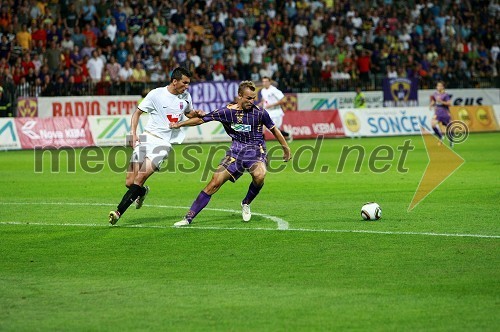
(142, 192)
(129, 197)
(437, 131)
(284, 133)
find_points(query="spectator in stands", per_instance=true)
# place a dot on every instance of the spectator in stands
(38, 33)
(5, 104)
(155, 39)
(201, 72)
(76, 60)
(27, 64)
(53, 56)
(217, 75)
(67, 42)
(31, 76)
(113, 69)
(126, 72)
(206, 50)
(78, 38)
(156, 71)
(70, 18)
(391, 72)
(139, 73)
(90, 36)
(194, 57)
(54, 33)
(89, 12)
(95, 67)
(104, 41)
(258, 52)
(5, 47)
(166, 50)
(218, 48)
(23, 37)
(121, 54)
(363, 64)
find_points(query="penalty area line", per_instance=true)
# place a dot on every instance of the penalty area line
(484, 236)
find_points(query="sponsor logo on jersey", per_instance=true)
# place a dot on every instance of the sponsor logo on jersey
(242, 128)
(173, 117)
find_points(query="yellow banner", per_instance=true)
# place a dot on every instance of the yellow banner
(477, 118)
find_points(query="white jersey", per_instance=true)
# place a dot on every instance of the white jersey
(163, 108)
(272, 96)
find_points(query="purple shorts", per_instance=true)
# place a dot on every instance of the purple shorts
(443, 117)
(237, 161)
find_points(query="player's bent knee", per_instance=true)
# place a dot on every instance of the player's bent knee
(259, 177)
(212, 188)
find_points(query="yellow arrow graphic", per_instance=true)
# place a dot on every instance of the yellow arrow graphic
(443, 162)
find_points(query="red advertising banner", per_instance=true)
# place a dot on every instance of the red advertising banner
(54, 132)
(312, 124)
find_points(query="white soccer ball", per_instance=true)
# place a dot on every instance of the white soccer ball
(371, 211)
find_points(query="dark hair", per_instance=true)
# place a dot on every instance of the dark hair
(179, 72)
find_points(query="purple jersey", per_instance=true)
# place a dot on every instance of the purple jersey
(441, 110)
(244, 127)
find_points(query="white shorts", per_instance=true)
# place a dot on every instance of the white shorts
(277, 117)
(153, 148)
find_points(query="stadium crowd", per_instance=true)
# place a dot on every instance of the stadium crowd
(60, 47)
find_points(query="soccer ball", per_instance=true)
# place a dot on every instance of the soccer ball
(371, 211)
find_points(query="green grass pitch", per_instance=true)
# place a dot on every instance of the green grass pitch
(62, 268)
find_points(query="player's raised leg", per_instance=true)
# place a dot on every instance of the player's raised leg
(258, 172)
(135, 187)
(218, 179)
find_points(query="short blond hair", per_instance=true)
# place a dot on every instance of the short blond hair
(246, 85)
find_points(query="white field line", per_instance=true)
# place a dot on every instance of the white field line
(281, 223)
(103, 225)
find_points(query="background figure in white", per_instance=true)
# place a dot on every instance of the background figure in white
(272, 100)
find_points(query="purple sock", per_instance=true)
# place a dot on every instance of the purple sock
(438, 132)
(199, 203)
(253, 191)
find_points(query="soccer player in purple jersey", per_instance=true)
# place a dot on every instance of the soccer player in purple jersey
(440, 102)
(243, 122)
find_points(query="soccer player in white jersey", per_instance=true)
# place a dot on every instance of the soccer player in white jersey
(272, 100)
(164, 105)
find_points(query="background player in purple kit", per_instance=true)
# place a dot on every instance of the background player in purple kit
(243, 122)
(441, 102)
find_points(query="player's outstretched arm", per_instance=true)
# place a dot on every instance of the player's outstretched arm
(189, 122)
(195, 114)
(287, 154)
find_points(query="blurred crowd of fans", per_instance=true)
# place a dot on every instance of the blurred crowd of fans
(59, 47)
